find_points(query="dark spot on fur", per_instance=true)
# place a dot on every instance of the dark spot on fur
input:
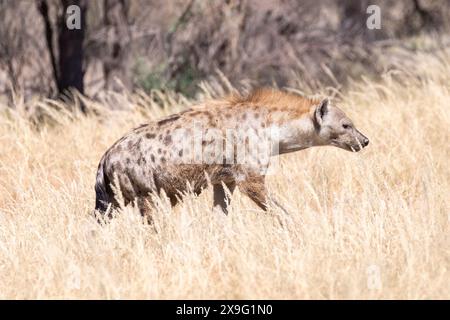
(244, 116)
(168, 119)
(163, 159)
(130, 144)
(128, 161)
(117, 166)
(142, 161)
(168, 140)
(152, 157)
(159, 150)
(150, 135)
(180, 152)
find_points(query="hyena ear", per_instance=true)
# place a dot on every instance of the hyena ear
(321, 110)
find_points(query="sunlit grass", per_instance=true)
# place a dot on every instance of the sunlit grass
(373, 224)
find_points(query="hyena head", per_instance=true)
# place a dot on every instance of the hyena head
(336, 129)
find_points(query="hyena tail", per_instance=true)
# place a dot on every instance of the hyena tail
(102, 196)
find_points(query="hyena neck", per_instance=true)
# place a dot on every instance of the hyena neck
(295, 134)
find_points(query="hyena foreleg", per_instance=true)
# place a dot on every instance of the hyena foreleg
(145, 206)
(221, 199)
(254, 187)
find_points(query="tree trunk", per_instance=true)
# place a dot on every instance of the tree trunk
(68, 57)
(116, 22)
(71, 53)
(353, 17)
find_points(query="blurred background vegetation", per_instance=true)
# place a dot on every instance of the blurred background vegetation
(174, 45)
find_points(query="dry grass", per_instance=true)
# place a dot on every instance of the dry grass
(369, 225)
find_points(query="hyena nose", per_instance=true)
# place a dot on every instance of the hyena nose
(365, 142)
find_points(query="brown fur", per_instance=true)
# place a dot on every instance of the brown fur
(274, 99)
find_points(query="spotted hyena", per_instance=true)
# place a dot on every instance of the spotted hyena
(214, 143)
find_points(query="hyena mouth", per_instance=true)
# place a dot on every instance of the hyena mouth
(356, 148)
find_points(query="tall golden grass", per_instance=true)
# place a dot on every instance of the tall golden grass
(373, 224)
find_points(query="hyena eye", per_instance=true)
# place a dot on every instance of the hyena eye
(346, 126)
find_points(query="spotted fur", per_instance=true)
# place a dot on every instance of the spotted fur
(151, 159)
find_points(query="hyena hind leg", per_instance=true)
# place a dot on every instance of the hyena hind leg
(145, 206)
(105, 212)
